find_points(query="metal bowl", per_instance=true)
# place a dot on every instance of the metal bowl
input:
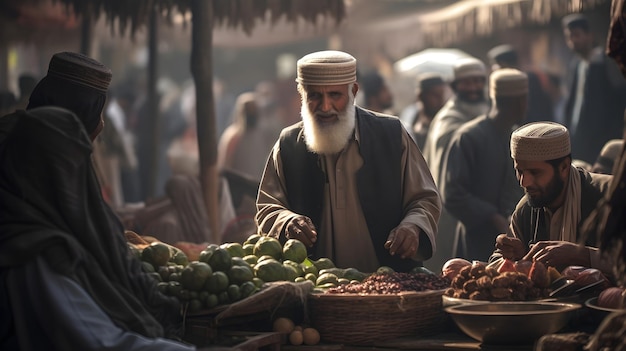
(598, 313)
(448, 301)
(512, 323)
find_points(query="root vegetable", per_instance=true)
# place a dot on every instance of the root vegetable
(523, 266)
(283, 325)
(507, 266)
(539, 275)
(453, 266)
(572, 272)
(612, 298)
(311, 336)
(296, 337)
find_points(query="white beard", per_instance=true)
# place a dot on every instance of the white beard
(328, 139)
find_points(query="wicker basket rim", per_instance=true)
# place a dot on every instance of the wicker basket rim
(403, 294)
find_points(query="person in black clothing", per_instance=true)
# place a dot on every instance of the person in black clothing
(595, 105)
(68, 280)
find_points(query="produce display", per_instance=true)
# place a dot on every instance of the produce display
(478, 281)
(393, 283)
(229, 272)
(223, 274)
(506, 280)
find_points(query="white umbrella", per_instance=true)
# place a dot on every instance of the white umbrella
(430, 60)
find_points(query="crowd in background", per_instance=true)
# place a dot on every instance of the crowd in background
(588, 99)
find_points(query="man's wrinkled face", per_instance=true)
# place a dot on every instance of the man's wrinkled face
(542, 182)
(328, 115)
(470, 89)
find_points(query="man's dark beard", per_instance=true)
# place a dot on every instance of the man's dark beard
(431, 112)
(553, 189)
(466, 97)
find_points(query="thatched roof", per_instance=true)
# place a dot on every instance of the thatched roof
(231, 13)
(27, 20)
(474, 18)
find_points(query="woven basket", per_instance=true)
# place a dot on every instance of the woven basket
(357, 319)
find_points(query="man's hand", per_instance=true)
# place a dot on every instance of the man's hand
(559, 254)
(403, 240)
(510, 247)
(301, 228)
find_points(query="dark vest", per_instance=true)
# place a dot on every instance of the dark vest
(378, 181)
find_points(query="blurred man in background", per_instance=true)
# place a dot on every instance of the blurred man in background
(431, 96)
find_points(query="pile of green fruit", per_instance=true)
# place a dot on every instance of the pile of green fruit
(230, 272)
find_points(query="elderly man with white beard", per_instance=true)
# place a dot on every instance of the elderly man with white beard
(349, 183)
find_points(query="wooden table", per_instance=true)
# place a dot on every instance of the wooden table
(451, 341)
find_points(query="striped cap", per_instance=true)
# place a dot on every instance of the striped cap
(326, 68)
(508, 82)
(80, 69)
(469, 67)
(540, 141)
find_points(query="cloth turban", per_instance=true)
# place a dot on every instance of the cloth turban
(540, 141)
(469, 67)
(326, 68)
(508, 82)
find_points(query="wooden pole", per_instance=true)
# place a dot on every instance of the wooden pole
(202, 72)
(153, 104)
(4, 65)
(86, 32)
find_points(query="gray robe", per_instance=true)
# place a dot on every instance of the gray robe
(479, 182)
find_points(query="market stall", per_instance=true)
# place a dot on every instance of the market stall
(260, 294)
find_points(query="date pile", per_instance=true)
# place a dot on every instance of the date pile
(393, 283)
(477, 282)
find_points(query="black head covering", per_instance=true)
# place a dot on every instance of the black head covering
(51, 207)
(77, 83)
(576, 20)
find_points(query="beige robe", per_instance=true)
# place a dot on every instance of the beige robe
(344, 235)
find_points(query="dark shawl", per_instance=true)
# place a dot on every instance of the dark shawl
(51, 206)
(87, 103)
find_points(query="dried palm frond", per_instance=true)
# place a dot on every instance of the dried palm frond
(132, 14)
(466, 19)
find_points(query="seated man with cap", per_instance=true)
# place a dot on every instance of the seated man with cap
(350, 184)
(68, 280)
(545, 225)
